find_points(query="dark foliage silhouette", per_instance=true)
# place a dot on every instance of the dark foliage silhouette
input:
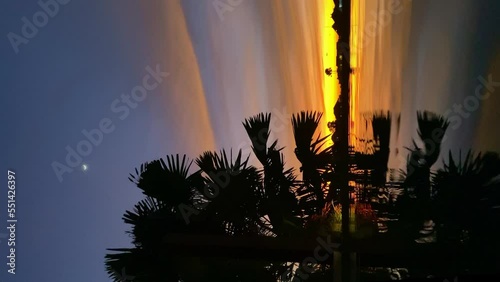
(224, 195)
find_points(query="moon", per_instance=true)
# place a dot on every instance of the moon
(85, 167)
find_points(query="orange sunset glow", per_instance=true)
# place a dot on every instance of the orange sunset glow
(356, 23)
(331, 86)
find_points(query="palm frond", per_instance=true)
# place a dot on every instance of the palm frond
(257, 128)
(166, 181)
(210, 162)
(127, 265)
(467, 182)
(381, 124)
(151, 220)
(431, 129)
(233, 192)
(304, 125)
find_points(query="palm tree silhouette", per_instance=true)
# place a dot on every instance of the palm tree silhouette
(278, 203)
(381, 125)
(228, 207)
(414, 206)
(466, 201)
(226, 196)
(315, 159)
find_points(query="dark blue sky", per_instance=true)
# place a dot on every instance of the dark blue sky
(60, 83)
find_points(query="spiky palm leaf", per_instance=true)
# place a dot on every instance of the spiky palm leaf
(143, 211)
(315, 160)
(322, 154)
(312, 154)
(381, 124)
(151, 220)
(233, 192)
(167, 181)
(278, 203)
(431, 129)
(304, 125)
(212, 161)
(257, 128)
(478, 170)
(466, 192)
(275, 171)
(126, 264)
(414, 163)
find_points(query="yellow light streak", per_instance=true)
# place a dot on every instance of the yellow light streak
(354, 61)
(331, 87)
